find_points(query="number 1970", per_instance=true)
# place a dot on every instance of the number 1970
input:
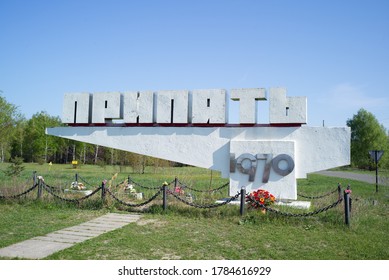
(247, 164)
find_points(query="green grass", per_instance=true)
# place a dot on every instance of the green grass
(183, 232)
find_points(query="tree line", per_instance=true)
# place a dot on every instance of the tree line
(26, 139)
(367, 134)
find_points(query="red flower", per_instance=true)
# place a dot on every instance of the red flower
(260, 197)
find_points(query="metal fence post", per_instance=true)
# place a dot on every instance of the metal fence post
(103, 190)
(39, 194)
(164, 196)
(242, 200)
(350, 199)
(376, 174)
(34, 177)
(347, 207)
(76, 177)
(339, 191)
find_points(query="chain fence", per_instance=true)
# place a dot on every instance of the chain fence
(205, 206)
(20, 194)
(50, 189)
(131, 181)
(26, 183)
(134, 204)
(320, 196)
(245, 198)
(288, 214)
(87, 183)
(185, 186)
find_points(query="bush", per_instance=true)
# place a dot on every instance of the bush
(15, 168)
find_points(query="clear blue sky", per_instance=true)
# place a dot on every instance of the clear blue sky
(334, 52)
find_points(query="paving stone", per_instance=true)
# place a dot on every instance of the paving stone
(99, 226)
(109, 223)
(33, 249)
(87, 230)
(121, 216)
(116, 218)
(58, 237)
(79, 233)
(46, 238)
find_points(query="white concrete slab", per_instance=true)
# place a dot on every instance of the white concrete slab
(33, 249)
(293, 204)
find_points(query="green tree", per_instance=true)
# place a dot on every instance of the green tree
(9, 117)
(18, 138)
(15, 168)
(367, 134)
(39, 147)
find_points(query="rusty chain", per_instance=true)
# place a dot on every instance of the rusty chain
(49, 189)
(320, 196)
(131, 204)
(288, 214)
(204, 191)
(19, 195)
(23, 193)
(149, 188)
(203, 206)
(85, 181)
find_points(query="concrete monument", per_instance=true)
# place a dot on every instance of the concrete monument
(191, 127)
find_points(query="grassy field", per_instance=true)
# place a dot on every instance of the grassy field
(184, 232)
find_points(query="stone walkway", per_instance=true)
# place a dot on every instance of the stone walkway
(42, 246)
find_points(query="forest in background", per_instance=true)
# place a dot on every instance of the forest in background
(26, 139)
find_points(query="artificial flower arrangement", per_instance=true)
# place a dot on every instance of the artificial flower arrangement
(260, 197)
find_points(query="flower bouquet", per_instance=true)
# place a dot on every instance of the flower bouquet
(260, 198)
